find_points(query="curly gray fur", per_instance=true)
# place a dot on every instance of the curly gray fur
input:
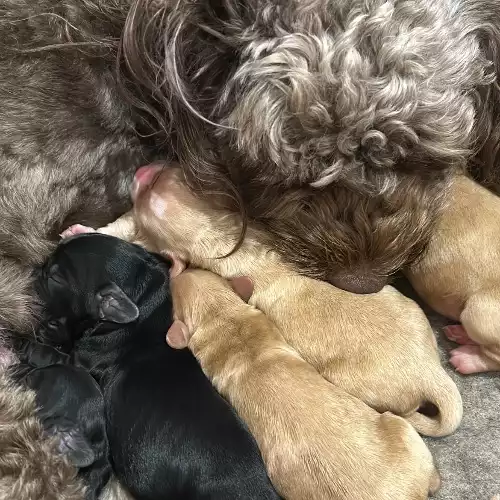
(30, 466)
(482, 18)
(291, 106)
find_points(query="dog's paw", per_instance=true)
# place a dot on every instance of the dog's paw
(457, 334)
(470, 359)
(76, 229)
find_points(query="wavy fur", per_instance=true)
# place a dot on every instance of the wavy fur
(345, 116)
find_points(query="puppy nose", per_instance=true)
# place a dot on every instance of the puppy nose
(143, 178)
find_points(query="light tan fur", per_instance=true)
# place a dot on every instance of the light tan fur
(378, 347)
(318, 441)
(459, 275)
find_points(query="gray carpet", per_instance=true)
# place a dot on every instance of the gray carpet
(469, 460)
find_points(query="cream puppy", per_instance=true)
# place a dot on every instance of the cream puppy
(459, 275)
(378, 347)
(317, 441)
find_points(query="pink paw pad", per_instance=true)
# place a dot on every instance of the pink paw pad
(76, 229)
(470, 359)
(457, 334)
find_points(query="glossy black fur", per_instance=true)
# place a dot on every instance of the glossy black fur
(171, 435)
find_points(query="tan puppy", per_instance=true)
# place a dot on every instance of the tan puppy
(459, 276)
(379, 347)
(318, 441)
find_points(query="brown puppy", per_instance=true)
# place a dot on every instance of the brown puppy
(459, 276)
(379, 347)
(317, 441)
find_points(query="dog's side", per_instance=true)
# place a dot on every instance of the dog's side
(71, 409)
(68, 145)
(171, 435)
(317, 441)
(482, 18)
(460, 277)
(333, 124)
(31, 466)
(378, 347)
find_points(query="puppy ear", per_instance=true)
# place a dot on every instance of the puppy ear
(115, 306)
(243, 286)
(73, 445)
(178, 335)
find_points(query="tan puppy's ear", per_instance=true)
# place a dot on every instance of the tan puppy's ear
(177, 266)
(243, 286)
(178, 335)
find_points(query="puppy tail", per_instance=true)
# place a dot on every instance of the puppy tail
(441, 412)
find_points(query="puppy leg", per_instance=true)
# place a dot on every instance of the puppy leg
(76, 229)
(481, 323)
(457, 334)
(123, 228)
(472, 359)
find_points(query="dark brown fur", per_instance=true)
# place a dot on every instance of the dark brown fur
(68, 145)
(482, 18)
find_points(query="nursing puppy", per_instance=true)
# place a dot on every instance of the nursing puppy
(170, 434)
(71, 409)
(459, 276)
(336, 123)
(317, 441)
(377, 347)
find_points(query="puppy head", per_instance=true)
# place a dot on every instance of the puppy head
(200, 297)
(95, 279)
(180, 222)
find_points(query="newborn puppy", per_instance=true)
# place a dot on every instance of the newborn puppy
(318, 442)
(170, 433)
(459, 275)
(378, 347)
(71, 408)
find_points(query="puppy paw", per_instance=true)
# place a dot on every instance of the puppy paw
(457, 334)
(470, 359)
(76, 229)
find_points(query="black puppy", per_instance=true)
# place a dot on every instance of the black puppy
(71, 408)
(109, 303)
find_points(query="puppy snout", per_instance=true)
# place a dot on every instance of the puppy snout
(144, 177)
(359, 282)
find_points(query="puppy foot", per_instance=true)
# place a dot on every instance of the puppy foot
(457, 334)
(470, 359)
(76, 229)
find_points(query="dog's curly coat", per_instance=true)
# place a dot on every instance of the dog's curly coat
(30, 466)
(338, 122)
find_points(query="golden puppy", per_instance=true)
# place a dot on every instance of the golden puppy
(318, 441)
(379, 347)
(459, 275)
